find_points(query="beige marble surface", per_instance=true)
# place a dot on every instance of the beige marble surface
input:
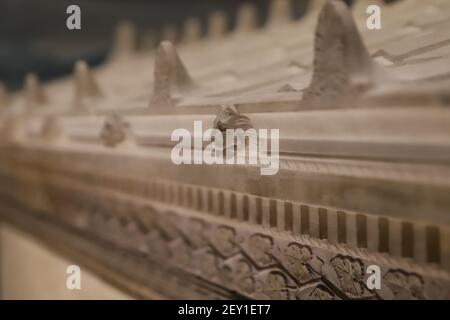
(30, 270)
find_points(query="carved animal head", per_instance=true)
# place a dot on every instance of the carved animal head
(115, 131)
(229, 118)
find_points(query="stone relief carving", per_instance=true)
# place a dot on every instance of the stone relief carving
(171, 77)
(229, 118)
(246, 255)
(250, 262)
(115, 131)
(52, 130)
(404, 285)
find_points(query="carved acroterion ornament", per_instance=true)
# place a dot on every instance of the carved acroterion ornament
(171, 77)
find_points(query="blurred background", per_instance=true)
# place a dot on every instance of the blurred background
(34, 37)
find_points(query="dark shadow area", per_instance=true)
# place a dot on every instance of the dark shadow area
(34, 36)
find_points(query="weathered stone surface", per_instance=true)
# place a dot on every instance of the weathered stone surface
(363, 176)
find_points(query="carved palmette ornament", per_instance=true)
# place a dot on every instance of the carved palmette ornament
(87, 91)
(34, 92)
(217, 25)
(342, 64)
(125, 42)
(192, 30)
(344, 72)
(171, 77)
(52, 129)
(404, 285)
(247, 18)
(280, 13)
(13, 129)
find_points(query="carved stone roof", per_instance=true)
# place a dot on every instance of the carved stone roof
(364, 175)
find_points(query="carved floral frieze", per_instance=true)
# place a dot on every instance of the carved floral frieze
(252, 261)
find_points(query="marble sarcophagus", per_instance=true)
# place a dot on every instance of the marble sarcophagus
(363, 176)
